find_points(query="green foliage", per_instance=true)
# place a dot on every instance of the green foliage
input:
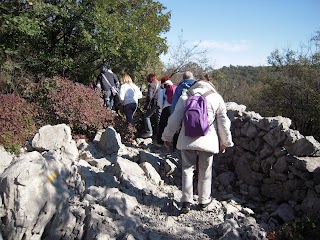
(293, 87)
(290, 87)
(72, 38)
(241, 84)
(16, 122)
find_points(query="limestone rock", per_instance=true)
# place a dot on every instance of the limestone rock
(52, 137)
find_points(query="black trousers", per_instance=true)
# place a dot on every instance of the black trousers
(165, 114)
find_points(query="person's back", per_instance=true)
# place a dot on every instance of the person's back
(152, 92)
(166, 92)
(110, 80)
(129, 95)
(151, 105)
(170, 89)
(199, 149)
(164, 102)
(110, 85)
(185, 84)
(216, 113)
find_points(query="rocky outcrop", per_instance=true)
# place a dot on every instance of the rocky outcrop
(270, 161)
(58, 188)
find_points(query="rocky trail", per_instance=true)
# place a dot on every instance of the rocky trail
(61, 188)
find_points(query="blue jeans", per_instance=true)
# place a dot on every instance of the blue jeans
(147, 116)
(129, 110)
(108, 99)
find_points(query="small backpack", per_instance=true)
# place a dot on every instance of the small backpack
(196, 115)
(169, 92)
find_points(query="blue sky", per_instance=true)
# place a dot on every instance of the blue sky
(242, 32)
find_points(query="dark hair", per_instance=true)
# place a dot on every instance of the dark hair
(150, 77)
(105, 67)
(207, 77)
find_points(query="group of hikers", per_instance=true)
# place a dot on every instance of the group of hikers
(191, 117)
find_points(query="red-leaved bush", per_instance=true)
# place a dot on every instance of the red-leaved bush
(16, 121)
(78, 106)
(57, 100)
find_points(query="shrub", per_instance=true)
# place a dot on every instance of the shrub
(16, 121)
(77, 106)
(126, 130)
(59, 100)
(307, 227)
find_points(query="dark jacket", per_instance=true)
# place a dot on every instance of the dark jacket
(152, 94)
(112, 78)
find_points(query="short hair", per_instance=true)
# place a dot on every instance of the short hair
(207, 77)
(150, 77)
(104, 67)
(126, 78)
(187, 75)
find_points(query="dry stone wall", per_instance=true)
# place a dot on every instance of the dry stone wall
(270, 161)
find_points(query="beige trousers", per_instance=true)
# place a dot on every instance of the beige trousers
(189, 159)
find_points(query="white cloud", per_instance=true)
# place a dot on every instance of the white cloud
(233, 46)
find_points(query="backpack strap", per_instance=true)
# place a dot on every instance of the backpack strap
(191, 93)
(207, 93)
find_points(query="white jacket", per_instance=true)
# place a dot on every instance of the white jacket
(129, 93)
(219, 132)
(162, 99)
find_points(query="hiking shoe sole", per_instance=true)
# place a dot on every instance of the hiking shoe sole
(186, 207)
(203, 206)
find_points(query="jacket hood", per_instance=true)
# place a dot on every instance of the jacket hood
(203, 85)
(168, 82)
(187, 83)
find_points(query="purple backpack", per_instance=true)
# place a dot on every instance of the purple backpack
(196, 122)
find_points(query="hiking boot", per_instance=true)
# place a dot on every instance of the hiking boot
(202, 206)
(186, 207)
(146, 135)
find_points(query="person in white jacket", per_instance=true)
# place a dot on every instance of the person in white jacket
(203, 147)
(165, 107)
(129, 96)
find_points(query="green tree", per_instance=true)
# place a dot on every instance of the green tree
(293, 90)
(240, 84)
(71, 38)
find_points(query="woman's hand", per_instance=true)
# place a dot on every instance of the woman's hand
(222, 148)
